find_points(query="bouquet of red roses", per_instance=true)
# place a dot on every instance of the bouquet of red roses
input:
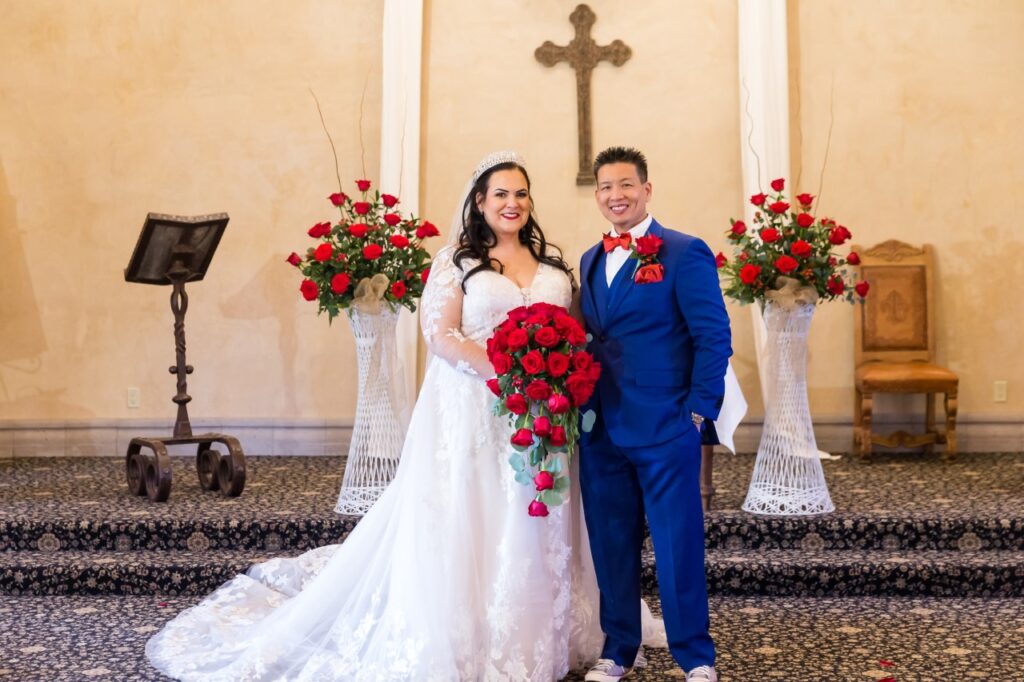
(371, 239)
(543, 377)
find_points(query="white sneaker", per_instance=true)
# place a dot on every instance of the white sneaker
(704, 673)
(607, 670)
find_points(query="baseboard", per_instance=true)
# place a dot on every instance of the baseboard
(110, 437)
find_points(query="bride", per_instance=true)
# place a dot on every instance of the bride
(446, 577)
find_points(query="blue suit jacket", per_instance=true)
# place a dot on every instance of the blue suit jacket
(663, 347)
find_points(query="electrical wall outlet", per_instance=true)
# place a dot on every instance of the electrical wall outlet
(133, 397)
(999, 391)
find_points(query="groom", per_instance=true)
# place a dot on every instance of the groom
(653, 307)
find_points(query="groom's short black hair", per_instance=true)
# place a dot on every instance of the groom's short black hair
(622, 155)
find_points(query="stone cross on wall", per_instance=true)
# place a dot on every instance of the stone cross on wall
(583, 54)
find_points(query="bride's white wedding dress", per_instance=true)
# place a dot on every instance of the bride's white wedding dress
(446, 577)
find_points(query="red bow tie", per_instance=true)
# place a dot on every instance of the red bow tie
(612, 242)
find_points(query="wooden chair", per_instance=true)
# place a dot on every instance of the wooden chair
(894, 346)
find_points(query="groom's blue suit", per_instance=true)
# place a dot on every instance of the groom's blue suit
(663, 348)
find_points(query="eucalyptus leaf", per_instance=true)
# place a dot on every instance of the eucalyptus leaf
(561, 484)
(517, 462)
(524, 478)
(589, 417)
(551, 498)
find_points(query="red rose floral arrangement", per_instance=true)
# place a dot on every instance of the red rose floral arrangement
(370, 238)
(791, 244)
(543, 376)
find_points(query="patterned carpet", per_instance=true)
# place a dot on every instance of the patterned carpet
(810, 640)
(922, 565)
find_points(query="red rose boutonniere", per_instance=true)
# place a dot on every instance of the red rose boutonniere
(645, 250)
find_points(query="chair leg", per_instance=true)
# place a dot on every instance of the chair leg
(858, 417)
(929, 420)
(951, 406)
(865, 426)
(707, 463)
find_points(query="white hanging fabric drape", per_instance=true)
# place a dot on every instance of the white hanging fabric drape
(400, 149)
(764, 123)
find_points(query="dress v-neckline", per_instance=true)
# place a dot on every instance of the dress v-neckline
(514, 283)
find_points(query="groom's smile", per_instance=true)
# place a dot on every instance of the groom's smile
(622, 195)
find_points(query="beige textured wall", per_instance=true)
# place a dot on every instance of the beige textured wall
(113, 109)
(926, 146)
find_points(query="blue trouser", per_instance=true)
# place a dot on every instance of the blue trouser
(619, 485)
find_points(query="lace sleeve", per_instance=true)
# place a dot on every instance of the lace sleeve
(441, 318)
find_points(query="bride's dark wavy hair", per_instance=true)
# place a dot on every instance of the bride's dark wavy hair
(477, 237)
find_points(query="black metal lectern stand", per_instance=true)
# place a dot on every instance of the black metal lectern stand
(175, 250)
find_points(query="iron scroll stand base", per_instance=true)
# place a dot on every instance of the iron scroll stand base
(175, 250)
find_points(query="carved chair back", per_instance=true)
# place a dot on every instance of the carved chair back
(896, 323)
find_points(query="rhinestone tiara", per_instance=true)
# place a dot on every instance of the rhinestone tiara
(496, 159)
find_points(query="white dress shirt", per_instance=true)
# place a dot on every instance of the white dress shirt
(614, 261)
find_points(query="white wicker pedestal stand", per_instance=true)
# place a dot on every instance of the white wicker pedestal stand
(377, 434)
(788, 479)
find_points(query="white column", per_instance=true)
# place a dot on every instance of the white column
(400, 143)
(764, 116)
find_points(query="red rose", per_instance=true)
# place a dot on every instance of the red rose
(389, 200)
(523, 438)
(648, 245)
(832, 261)
(492, 384)
(398, 289)
(853, 258)
(542, 308)
(399, 241)
(319, 230)
(558, 364)
(720, 260)
(392, 219)
(786, 264)
(518, 314)
(516, 403)
(294, 259)
(361, 207)
(426, 230)
(339, 283)
(566, 325)
(537, 508)
(372, 251)
(801, 249)
(836, 286)
(497, 343)
(542, 426)
(805, 199)
(363, 185)
(838, 235)
(758, 199)
(309, 290)
(779, 207)
(649, 274)
(544, 480)
(769, 235)
(538, 390)
(533, 362)
(546, 337)
(576, 336)
(749, 273)
(805, 220)
(582, 361)
(580, 387)
(558, 404)
(425, 274)
(742, 257)
(358, 229)
(594, 372)
(338, 198)
(517, 339)
(323, 252)
(862, 288)
(778, 184)
(738, 228)
(502, 363)
(557, 438)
